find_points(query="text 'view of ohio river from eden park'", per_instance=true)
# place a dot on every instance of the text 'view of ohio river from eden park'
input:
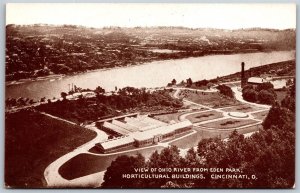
(152, 74)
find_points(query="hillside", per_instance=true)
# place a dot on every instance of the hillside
(30, 148)
(41, 50)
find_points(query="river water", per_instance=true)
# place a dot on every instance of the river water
(152, 74)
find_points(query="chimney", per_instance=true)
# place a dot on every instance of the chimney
(243, 79)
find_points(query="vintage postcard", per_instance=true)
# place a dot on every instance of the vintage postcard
(150, 95)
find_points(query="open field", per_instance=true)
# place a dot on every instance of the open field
(229, 123)
(243, 108)
(32, 142)
(260, 115)
(211, 99)
(85, 164)
(204, 116)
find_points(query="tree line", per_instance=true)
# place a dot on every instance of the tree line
(103, 105)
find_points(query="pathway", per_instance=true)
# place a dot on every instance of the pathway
(52, 176)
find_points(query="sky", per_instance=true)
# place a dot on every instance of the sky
(222, 16)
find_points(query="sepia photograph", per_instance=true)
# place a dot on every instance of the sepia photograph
(150, 95)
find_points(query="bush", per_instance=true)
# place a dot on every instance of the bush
(225, 90)
(265, 86)
(266, 97)
(264, 93)
(250, 95)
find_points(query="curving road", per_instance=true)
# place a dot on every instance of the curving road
(51, 174)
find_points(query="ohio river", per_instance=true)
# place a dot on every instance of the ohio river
(152, 74)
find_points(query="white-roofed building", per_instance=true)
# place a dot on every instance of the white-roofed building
(257, 80)
(115, 128)
(161, 133)
(115, 144)
(140, 131)
(154, 121)
(136, 122)
(128, 127)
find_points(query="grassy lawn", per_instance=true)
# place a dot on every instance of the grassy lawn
(204, 116)
(32, 142)
(261, 115)
(85, 164)
(229, 123)
(243, 108)
(211, 99)
(193, 140)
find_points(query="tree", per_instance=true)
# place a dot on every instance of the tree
(201, 83)
(264, 86)
(169, 157)
(266, 97)
(250, 95)
(42, 99)
(278, 116)
(173, 81)
(189, 82)
(191, 158)
(99, 90)
(31, 101)
(289, 101)
(225, 90)
(113, 177)
(153, 160)
(64, 95)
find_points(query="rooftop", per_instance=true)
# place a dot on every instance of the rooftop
(125, 126)
(117, 142)
(116, 128)
(144, 135)
(257, 80)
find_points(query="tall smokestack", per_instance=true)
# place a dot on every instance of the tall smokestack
(243, 75)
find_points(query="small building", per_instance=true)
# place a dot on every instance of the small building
(255, 81)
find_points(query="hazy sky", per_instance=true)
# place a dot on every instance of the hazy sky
(227, 16)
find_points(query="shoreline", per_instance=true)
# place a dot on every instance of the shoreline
(58, 76)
